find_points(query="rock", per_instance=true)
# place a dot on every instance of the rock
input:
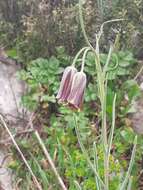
(11, 90)
(137, 117)
(5, 174)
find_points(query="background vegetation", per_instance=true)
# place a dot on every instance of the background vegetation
(44, 36)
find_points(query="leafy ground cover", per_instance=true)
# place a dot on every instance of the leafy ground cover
(73, 138)
(56, 125)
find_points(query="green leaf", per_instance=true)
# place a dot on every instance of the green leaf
(12, 53)
(128, 135)
(53, 63)
(112, 75)
(132, 89)
(90, 60)
(122, 71)
(103, 58)
(124, 63)
(47, 98)
(60, 50)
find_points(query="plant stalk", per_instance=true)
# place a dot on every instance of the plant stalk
(78, 54)
(102, 89)
(102, 94)
(50, 161)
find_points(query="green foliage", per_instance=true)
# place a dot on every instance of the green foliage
(119, 65)
(36, 36)
(6, 33)
(12, 53)
(63, 147)
(42, 77)
(37, 29)
(41, 81)
(43, 84)
(132, 89)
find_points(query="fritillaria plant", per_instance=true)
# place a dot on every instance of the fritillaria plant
(71, 92)
(73, 84)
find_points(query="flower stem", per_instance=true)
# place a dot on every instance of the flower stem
(102, 88)
(86, 154)
(127, 177)
(82, 25)
(102, 94)
(78, 54)
(83, 58)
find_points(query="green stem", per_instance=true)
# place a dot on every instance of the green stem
(101, 80)
(110, 140)
(127, 177)
(82, 25)
(78, 54)
(104, 136)
(106, 22)
(97, 58)
(101, 88)
(130, 183)
(112, 128)
(83, 58)
(96, 165)
(108, 60)
(86, 154)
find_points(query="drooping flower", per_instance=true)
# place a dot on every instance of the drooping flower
(66, 83)
(75, 98)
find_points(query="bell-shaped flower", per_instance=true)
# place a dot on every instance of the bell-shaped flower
(66, 83)
(75, 98)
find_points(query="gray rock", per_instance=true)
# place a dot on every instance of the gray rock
(137, 116)
(11, 90)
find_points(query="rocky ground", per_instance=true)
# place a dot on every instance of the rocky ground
(11, 90)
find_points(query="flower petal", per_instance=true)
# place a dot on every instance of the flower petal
(76, 95)
(66, 82)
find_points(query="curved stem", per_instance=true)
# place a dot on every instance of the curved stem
(83, 59)
(115, 67)
(101, 75)
(97, 58)
(101, 88)
(78, 54)
(82, 25)
(106, 22)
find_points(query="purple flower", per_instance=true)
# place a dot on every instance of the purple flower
(66, 82)
(75, 98)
